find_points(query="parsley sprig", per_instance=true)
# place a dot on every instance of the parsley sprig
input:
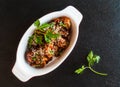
(92, 59)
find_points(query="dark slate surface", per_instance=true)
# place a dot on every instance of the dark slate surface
(99, 31)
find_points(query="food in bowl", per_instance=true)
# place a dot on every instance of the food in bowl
(22, 70)
(48, 41)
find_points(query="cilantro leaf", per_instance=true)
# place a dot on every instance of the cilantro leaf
(51, 52)
(52, 24)
(92, 59)
(34, 58)
(38, 40)
(80, 70)
(47, 39)
(97, 58)
(37, 23)
(35, 39)
(90, 55)
(45, 25)
(62, 24)
(49, 35)
(30, 41)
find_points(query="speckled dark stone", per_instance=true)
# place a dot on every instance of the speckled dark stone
(99, 31)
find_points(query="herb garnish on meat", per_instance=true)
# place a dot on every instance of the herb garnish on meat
(48, 40)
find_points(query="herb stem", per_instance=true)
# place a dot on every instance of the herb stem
(103, 74)
(92, 59)
(86, 67)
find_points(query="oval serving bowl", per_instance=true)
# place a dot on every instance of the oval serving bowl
(22, 70)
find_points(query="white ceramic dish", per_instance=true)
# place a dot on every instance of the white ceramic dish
(24, 71)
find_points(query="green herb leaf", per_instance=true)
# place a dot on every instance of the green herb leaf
(43, 26)
(46, 25)
(62, 24)
(38, 40)
(47, 39)
(51, 52)
(37, 23)
(92, 59)
(52, 24)
(97, 58)
(49, 35)
(34, 58)
(30, 41)
(80, 70)
(35, 39)
(90, 55)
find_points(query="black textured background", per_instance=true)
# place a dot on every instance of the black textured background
(99, 31)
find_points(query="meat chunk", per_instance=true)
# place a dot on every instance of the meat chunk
(65, 20)
(29, 55)
(61, 42)
(50, 50)
(36, 60)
